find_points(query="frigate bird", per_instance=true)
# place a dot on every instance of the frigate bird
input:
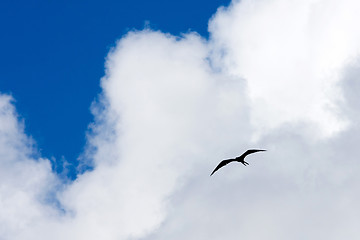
(237, 159)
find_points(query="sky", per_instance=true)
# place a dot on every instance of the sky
(53, 57)
(129, 108)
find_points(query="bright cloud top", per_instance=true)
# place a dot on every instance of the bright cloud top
(291, 55)
(275, 72)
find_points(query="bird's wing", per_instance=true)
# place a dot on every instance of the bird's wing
(250, 151)
(221, 164)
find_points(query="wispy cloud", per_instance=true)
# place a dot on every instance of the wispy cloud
(275, 74)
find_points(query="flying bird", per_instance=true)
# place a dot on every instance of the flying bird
(237, 159)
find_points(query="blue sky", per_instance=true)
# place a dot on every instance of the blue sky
(52, 58)
(273, 74)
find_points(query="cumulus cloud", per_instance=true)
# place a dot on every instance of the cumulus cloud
(281, 75)
(26, 184)
(291, 53)
(164, 109)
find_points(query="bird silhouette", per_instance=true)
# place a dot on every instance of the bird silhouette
(237, 159)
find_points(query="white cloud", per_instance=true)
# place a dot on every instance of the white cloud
(169, 108)
(291, 53)
(279, 73)
(26, 184)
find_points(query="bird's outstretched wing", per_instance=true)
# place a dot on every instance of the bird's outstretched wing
(250, 151)
(221, 164)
